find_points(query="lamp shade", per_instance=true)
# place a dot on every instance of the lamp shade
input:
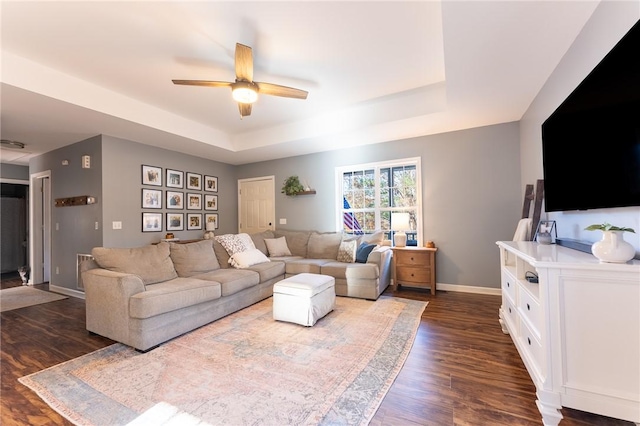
(210, 226)
(399, 221)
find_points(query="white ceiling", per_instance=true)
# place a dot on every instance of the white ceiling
(375, 71)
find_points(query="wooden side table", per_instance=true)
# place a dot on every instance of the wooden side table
(414, 267)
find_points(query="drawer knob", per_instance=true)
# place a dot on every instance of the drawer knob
(509, 310)
(529, 340)
(528, 307)
(412, 259)
(411, 274)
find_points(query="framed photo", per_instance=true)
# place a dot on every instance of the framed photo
(151, 198)
(194, 201)
(175, 221)
(151, 175)
(175, 200)
(175, 179)
(211, 218)
(546, 233)
(211, 183)
(210, 202)
(194, 221)
(194, 181)
(151, 222)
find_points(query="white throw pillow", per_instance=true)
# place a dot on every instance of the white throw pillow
(244, 259)
(235, 243)
(347, 251)
(277, 247)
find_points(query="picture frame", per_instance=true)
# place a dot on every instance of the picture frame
(210, 202)
(175, 221)
(175, 179)
(211, 217)
(175, 200)
(151, 198)
(211, 183)
(151, 175)
(151, 222)
(194, 181)
(547, 227)
(194, 201)
(194, 221)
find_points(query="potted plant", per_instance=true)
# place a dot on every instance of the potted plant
(292, 186)
(612, 248)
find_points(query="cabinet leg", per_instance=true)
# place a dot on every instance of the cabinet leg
(549, 406)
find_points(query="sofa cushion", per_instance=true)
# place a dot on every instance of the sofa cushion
(151, 263)
(324, 245)
(268, 270)
(362, 254)
(347, 251)
(351, 270)
(232, 280)
(277, 247)
(297, 241)
(194, 258)
(258, 240)
(172, 295)
(247, 258)
(299, 266)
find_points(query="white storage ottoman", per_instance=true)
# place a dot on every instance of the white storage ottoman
(304, 298)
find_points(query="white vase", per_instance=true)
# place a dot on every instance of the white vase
(613, 248)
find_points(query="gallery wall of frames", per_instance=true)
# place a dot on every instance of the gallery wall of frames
(175, 200)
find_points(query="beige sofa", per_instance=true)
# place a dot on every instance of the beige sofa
(147, 295)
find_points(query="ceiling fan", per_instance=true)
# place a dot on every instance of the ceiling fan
(244, 90)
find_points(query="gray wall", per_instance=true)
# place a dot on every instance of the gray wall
(471, 194)
(122, 186)
(14, 171)
(607, 25)
(75, 231)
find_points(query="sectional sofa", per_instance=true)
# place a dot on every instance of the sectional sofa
(147, 295)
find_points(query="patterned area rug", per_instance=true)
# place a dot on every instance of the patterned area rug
(21, 297)
(244, 369)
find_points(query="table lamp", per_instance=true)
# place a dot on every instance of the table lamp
(399, 224)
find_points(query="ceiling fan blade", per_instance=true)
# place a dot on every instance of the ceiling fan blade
(284, 91)
(244, 62)
(203, 83)
(245, 109)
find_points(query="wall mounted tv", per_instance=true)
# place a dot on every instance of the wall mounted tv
(591, 143)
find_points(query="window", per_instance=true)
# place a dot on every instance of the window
(368, 193)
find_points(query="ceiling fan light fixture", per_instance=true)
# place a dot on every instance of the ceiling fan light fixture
(244, 92)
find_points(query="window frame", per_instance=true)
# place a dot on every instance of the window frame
(377, 166)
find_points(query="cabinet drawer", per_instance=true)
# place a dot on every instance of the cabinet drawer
(413, 275)
(509, 285)
(530, 309)
(413, 258)
(511, 315)
(532, 347)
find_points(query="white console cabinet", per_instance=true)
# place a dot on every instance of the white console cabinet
(577, 330)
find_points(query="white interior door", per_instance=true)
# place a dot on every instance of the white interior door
(256, 204)
(40, 235)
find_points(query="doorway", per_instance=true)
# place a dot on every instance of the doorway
(40, 219)
(256, 204)
(14, 226)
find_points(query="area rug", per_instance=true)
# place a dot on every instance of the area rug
(244, 369)
(21, 297)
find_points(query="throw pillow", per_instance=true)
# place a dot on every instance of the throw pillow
(363, 252)
(347, 251)
(376, 238)
(244, 259)
(277, 247)
(235, 243)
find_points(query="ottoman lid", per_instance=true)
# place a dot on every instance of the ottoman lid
(305, 285)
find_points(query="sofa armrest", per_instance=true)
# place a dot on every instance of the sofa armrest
(381, 256)
(107, 296)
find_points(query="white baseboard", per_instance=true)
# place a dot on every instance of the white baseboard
(469, 289)
(66, 291)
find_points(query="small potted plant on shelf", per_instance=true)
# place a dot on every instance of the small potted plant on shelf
(292, 186)
(612, 248)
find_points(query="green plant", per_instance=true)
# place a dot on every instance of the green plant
(607, 227)
(292, 186)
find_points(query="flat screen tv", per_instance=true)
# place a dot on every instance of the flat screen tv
(591, 143)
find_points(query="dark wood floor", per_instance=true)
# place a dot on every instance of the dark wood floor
(462, 370)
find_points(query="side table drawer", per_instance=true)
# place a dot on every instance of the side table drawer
(413, 275)
(530, 309)
(411, 258)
